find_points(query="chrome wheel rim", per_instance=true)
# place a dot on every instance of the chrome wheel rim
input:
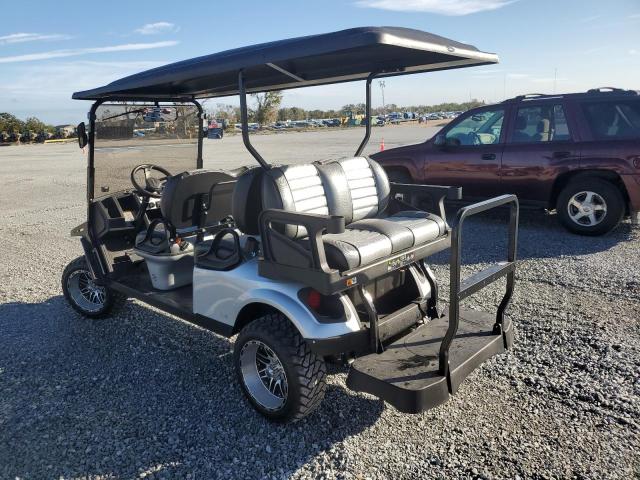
(263, 375)
(587, 209)
(84, 291)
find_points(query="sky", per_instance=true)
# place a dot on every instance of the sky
(52, 49)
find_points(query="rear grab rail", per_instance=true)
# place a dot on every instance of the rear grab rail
(459, 290)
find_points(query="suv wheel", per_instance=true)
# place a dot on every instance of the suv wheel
(590, 206)
(279, 375)
(84, 295)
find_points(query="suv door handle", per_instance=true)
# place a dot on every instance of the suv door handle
(561, 154)
(488, 156)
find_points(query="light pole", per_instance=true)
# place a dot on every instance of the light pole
(382, 85)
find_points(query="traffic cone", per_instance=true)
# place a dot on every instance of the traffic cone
(382, 145)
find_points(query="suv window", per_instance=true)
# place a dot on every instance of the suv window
(480, 128)
(542, 123)
(611, 120)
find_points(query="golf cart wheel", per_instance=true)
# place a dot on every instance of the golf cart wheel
(84, 295)
(279, 375)
(590, 206)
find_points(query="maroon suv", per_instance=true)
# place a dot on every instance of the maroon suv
(577, 153)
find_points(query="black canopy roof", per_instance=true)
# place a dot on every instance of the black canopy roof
(298, 62)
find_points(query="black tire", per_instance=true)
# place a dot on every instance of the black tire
(606, 194)
(77, 271)
(305, 371)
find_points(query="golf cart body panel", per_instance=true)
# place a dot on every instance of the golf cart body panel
(243, 286)
(333, 247)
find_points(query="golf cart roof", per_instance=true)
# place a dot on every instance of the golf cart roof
(335, 57)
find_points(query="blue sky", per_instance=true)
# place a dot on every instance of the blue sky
(52, 49)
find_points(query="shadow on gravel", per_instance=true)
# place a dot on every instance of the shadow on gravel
(540, 236)
(143, 393)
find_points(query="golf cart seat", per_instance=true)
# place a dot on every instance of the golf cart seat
(190, 200)
(197, 198)
(356, 189)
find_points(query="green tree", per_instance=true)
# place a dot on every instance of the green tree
(11, 124)
(267, 106)
(33, 124)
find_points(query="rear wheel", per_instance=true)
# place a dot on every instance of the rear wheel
(84, 294)
(590, 206)
(279, 375)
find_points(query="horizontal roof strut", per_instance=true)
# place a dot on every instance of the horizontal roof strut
(286, 72)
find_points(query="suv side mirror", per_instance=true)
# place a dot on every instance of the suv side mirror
(83, 139)
(440, 140)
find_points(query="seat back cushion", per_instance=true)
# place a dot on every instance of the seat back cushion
(356, 188)
(294, 188)
(246, 202)
(180, 197)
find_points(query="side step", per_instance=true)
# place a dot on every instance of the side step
(407, 373)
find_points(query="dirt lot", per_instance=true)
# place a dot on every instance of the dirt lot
(143, 395)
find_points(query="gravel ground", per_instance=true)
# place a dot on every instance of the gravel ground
(143, 395)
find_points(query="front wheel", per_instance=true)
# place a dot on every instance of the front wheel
(279, 375)
(590, 206)
(84, 294)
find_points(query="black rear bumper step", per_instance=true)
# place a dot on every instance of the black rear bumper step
(407, 373)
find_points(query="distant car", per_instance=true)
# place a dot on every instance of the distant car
(215, 128)
(578, 154)
(333, 122)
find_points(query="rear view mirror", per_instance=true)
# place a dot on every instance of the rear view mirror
(440, 140)
(83, 139)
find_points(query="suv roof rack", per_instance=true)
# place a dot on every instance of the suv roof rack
(607, 90)
(532, 96)
(592, 91)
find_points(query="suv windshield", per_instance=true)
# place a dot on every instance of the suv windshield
(480, 128)
(128, 134)
(611, 120)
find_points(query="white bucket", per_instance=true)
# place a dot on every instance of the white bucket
(169, 270)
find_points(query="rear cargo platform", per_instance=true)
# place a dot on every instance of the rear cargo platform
(407, 373)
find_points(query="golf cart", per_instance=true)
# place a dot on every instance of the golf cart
(306, 263)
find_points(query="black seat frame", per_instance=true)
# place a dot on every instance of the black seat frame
(320, 276)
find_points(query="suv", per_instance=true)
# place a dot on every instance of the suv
(576, 153)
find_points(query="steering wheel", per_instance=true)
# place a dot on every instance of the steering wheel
(153, 186)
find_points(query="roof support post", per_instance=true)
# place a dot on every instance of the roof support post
(244, 120)
(367, 134)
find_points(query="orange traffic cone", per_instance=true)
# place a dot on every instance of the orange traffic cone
(382, 145)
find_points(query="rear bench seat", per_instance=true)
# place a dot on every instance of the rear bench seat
(357, 189)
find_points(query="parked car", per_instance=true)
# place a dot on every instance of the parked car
(578, 154)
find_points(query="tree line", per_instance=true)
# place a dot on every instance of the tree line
(12, 129)
(267, 109)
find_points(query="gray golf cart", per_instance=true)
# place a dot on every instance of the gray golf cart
(306, 263)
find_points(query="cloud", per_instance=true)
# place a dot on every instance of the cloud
(43, 89)
(156, 28)
(443, 7)
(518, 75)
(633, 51)
(634, 16)
(84, 51)
(32, 37)
(549, 79)
(590, 19)
(61, 78)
